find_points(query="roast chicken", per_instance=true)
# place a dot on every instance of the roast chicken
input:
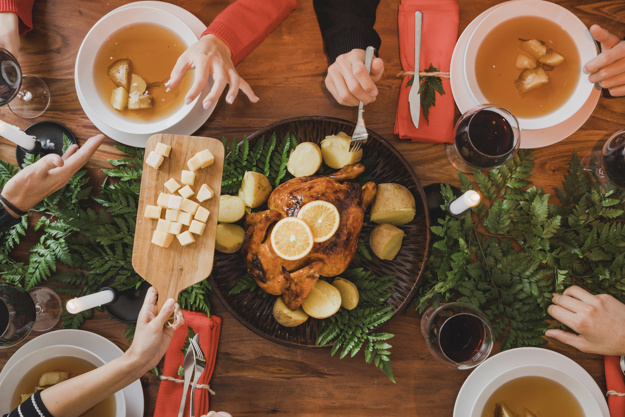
(295, 279)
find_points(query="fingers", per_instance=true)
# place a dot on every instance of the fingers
(617, 91)
(340, 92)
(580, 294)
(202, 72)
(219, 84)
(605, 38)
(180, 69)
(70, 151)
(49, 162)
(564, 316)
(377, 69)
(361, 82)
(570, 303)
(80, 157)
(149, 305)
(569, 339)
(166, 312)
(247, 90)
(233, 90)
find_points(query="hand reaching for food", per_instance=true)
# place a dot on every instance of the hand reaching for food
(9, 32)
(348, 80)
(210, 56)
(608, 68)
(597, 320)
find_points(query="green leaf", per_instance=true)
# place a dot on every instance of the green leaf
(430, 85)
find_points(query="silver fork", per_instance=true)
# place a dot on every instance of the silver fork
(189, 362)
(200, 365)
(360, 135)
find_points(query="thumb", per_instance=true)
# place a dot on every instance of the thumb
(50, 162)
(377, 69)
(165, 313)
(605, 38)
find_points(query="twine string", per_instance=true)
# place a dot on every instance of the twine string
(615, 393)
(439, 74)
(180, 381)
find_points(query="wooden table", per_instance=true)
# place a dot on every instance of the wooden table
(255, 377)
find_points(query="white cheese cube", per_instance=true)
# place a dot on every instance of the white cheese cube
(205, 157)
(189, 206)
(174, 202)
(205, 193)
(185, 238)
(163, 200)
(172, 185)
(154, 160)
(201, 215)
(175, 228)
(162, 239)
(162, 149)
(172, 215)
(186, 191)
(194, 163)
(187, 177)
(197, 227)
(163, 225)
(152, 212)
(184, 218)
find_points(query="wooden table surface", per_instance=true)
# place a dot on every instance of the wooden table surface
(255, 377)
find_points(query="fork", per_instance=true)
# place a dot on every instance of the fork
(189, 362)
(360, 135)
(200, 365)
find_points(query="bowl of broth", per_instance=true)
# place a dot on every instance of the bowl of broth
(509, 62)
(535, 390)
(129, 55)
(49, 365)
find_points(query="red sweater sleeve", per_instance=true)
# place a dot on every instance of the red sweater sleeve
(246, 23)
(23, 9)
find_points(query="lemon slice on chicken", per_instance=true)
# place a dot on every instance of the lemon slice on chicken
(322, 217)
(291, 239)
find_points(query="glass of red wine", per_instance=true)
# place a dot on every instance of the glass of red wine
(485, 137)
(457, 334)
(26, 95)
(609, 164)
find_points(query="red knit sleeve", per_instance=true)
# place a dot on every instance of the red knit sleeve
(22, 8)
(246, 23)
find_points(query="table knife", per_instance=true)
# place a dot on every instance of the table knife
(414, 98)
(189, 366)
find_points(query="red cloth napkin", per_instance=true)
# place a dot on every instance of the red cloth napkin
(438, 38)
(169, 392)
(614, 381)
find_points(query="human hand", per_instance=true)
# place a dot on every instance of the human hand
(152, 336)
(9, 32)
(37, 181)
(348, 80)
(217, 414)
(608, 68)
(598, 320)
(210, 55)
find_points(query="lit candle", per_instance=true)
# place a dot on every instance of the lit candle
(15, 135)
(463, 203)
(76, 305)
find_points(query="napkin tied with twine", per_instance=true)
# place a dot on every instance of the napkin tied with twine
(438, 38)
(170, 389)
(616, 386)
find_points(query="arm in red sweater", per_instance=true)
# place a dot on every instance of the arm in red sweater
(22, 8)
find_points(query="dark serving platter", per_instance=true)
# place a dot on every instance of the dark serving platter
(254, 310)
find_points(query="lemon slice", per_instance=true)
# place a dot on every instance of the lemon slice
(291, 238)
(322, 217)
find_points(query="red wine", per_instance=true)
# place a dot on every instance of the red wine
(461, 337)
(613, 160)
(10, 77)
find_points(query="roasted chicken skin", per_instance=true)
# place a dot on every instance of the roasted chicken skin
(295, 279)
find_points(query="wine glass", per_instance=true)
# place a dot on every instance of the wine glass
(485, 137)
(457, 334)
(609, 164)
(26, 95)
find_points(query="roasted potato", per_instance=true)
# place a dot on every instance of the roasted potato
(255, 189)
(323, 301)
(534, 47)
(393, 204)
(305, 160)
(335, 151)
(119, 98)
(551, 58)
(137, 84)
(119, 72)
(524, 62)
(349, 293)
(286, 316)
(229, 238)
(385, 241)
(138, 101)
(231, 209)
(531, 79)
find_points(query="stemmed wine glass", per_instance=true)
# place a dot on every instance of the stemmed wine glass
(21, 312)
(485, 137)
(26, 95)
(609, 164)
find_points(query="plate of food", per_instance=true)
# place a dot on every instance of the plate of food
(302, 219)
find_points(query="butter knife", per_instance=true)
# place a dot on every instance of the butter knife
(189, 366)
(414, 98)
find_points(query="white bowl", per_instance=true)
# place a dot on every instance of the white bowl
(557, 14)
(9, 383)
(578, 390)
(83, 71)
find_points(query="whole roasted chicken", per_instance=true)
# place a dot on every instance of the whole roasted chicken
(295, 279)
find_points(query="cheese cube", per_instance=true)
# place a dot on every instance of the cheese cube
(152, 212)
(175, 228)
(163, 200)
(187, 177)
(174, 202)
(205, 193)
(186, 191)
(163, 225)
(189, 206)
(197, 227)
(154, 160)
(201, 215)
(172, 215)
(185, 238)
(205, 157)
(184, 218)
(172, 185)
(162, 149)
(194, 163)
(162, 239)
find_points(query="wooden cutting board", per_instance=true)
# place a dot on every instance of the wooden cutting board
(171, 270)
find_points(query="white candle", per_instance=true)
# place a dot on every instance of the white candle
(464, 202)
(15, 135)
(76, 305)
